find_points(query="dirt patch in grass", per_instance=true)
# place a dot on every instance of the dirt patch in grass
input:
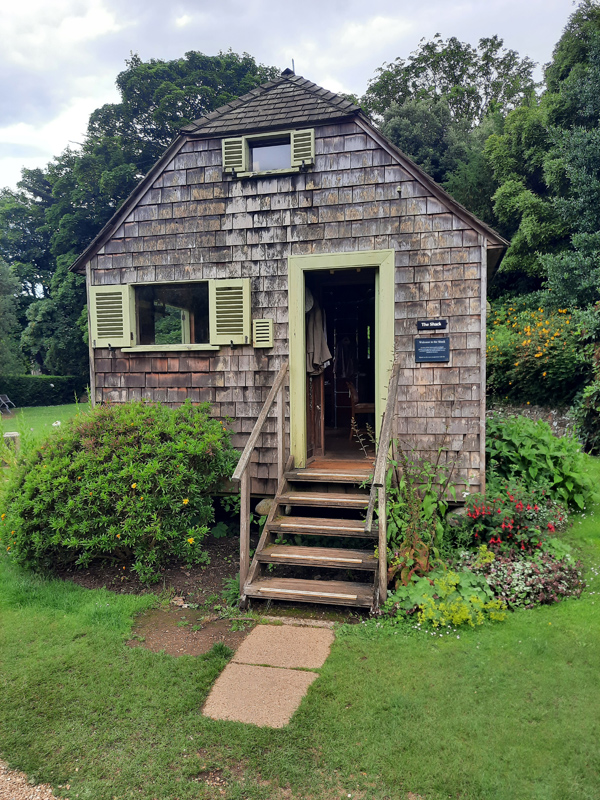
(185, 632)
(194, 584)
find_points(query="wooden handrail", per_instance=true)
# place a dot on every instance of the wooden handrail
(258, 426)
(242, 473)
(383, 445)
(378, 489)
(385, 436)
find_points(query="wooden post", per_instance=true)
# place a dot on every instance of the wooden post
(382, 545)
(244, 528)
(280, 432)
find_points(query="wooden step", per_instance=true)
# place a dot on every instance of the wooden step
(339, 593)
(325, 500)
(317, 557)
(316, 526)
(330, 476)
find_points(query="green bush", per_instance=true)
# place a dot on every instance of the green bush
(527, 452)
(445, 598)
(539, 356)
(42, 390)
(131, 483)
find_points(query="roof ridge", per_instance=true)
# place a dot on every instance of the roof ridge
(334, 99)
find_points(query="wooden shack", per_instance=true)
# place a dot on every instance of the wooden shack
(283, 235)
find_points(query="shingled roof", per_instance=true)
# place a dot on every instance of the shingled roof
(289, 101)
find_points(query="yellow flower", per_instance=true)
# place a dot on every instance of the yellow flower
(538, 355)
(118, 535)
(3, 516)
(191, 540)
(142, 497)
(528, 403)
(185, 501)
(133, 485)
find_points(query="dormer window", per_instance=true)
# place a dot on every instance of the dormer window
(266, 153)
(270, 154)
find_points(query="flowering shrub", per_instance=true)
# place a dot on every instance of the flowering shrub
(521, 450)
(539, 355)
(131, 483)
(525, 583)
(514, 518)
(446, 598)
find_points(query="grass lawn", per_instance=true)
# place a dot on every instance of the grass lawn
(505, 712)
(35, 422)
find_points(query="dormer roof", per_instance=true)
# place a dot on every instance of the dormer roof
(291, 101)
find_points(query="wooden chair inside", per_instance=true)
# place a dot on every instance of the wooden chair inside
(356, 406)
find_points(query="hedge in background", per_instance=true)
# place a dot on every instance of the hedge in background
(42, 390)
(130, 483)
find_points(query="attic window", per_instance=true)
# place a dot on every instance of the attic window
(270, 154)
(267, 153)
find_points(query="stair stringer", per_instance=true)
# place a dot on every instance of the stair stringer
(282, 488)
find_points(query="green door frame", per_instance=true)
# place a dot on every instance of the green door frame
(383, 261)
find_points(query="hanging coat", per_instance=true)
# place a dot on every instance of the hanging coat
(317, 352)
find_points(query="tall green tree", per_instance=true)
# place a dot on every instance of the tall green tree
(11, 359)
(58, 210)
(547, 165)
(471, 80)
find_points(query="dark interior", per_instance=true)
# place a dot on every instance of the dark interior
(347, 298)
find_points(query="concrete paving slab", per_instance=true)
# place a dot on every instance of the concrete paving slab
(260, 696)
(283, 646)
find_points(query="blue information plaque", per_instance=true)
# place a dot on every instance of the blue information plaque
(432, 349)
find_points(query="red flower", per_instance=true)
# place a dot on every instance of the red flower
(522, 546)
(551, 527)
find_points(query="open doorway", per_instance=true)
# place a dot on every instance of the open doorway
(341, 303)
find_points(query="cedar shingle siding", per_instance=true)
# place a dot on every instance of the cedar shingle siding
(192, 223)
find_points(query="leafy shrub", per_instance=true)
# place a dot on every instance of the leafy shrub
(131, 483)
(446, 598)
(42, 390)
(540, 356)
(586, 410)
(521, 450)
(515, 517)
(416, 506)
(525, 582)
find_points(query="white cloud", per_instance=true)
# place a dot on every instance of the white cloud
(34, 34)
(46, 141)
(181, 22)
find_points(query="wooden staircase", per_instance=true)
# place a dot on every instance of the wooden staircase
(329, 503)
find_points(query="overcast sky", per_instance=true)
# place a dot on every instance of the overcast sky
(59, 58)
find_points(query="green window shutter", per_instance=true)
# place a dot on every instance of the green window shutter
(303, 147)
(262, 332)
(235, 155)
(113, 316)
(229, 311)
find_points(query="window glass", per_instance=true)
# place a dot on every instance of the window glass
(270, 154)
(172, 313)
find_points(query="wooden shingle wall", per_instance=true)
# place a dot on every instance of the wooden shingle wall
(193, 225)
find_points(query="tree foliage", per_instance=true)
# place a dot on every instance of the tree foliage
(11, 361)
(57, 211)
(547, 165)
(471, 80)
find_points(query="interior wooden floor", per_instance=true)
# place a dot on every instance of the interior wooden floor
(338, 447)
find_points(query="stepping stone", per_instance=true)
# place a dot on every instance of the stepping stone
(285, 646)
(263, 696)
(264, 684)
